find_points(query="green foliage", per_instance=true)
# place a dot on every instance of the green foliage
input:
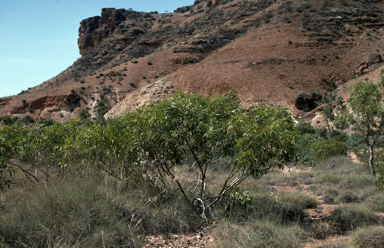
(325, 148)
(304, 128)
(364, 113)
(155, 140)
(27, 120)
(84, 114)
(380, 180)
(8, 120)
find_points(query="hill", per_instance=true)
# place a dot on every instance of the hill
(282, 52)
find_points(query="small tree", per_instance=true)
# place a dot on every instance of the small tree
(199, 129)
(334, 104)
(365, 113)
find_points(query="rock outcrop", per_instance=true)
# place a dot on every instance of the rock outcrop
(373, 59)
(95, 29)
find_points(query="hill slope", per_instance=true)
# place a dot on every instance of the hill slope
(268, 51)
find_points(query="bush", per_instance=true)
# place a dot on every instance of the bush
(325, 148)
(348, 197)
(372, 237)
(27, 120)
(24, 101)
(380, 179)
(299, 199)
(349, 217)
(304, 128)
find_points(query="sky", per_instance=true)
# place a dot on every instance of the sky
(38, 38)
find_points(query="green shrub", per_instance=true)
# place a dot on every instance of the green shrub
(132, 84)
(325, 148)
(27, 120)
(304, 128)
(380, 179)
(372, 237)
(24, 101)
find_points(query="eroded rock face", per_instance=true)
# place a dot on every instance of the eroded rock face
(373, 59)
(95, 29)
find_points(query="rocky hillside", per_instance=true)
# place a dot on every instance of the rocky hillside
(282, 52)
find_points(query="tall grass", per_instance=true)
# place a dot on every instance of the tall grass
(90, 212)
(258, 233)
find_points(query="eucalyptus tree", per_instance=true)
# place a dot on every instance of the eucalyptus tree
(201, 129)
(365, 114)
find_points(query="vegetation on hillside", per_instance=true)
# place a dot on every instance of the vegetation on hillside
(175, 167)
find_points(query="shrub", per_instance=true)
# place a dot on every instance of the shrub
(372, 237)
(348, 197)
(132, 84)
(326, 148)
(7, 120)
(24, 101)
(82, 81)
(149, 63)
(349, 217)
(135, 62)
(84, 114)
(101, 103)
(304, 128)
(380, 179)
(321, 230)
(27, 120)
(299, 199)
(30, 110)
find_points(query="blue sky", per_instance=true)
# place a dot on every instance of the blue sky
(38, 38)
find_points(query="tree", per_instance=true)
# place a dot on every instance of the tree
(365, 113)
(333, 104)
(190, 127)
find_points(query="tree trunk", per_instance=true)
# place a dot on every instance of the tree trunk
(370, 162)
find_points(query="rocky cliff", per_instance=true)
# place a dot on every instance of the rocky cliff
(269, 51)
